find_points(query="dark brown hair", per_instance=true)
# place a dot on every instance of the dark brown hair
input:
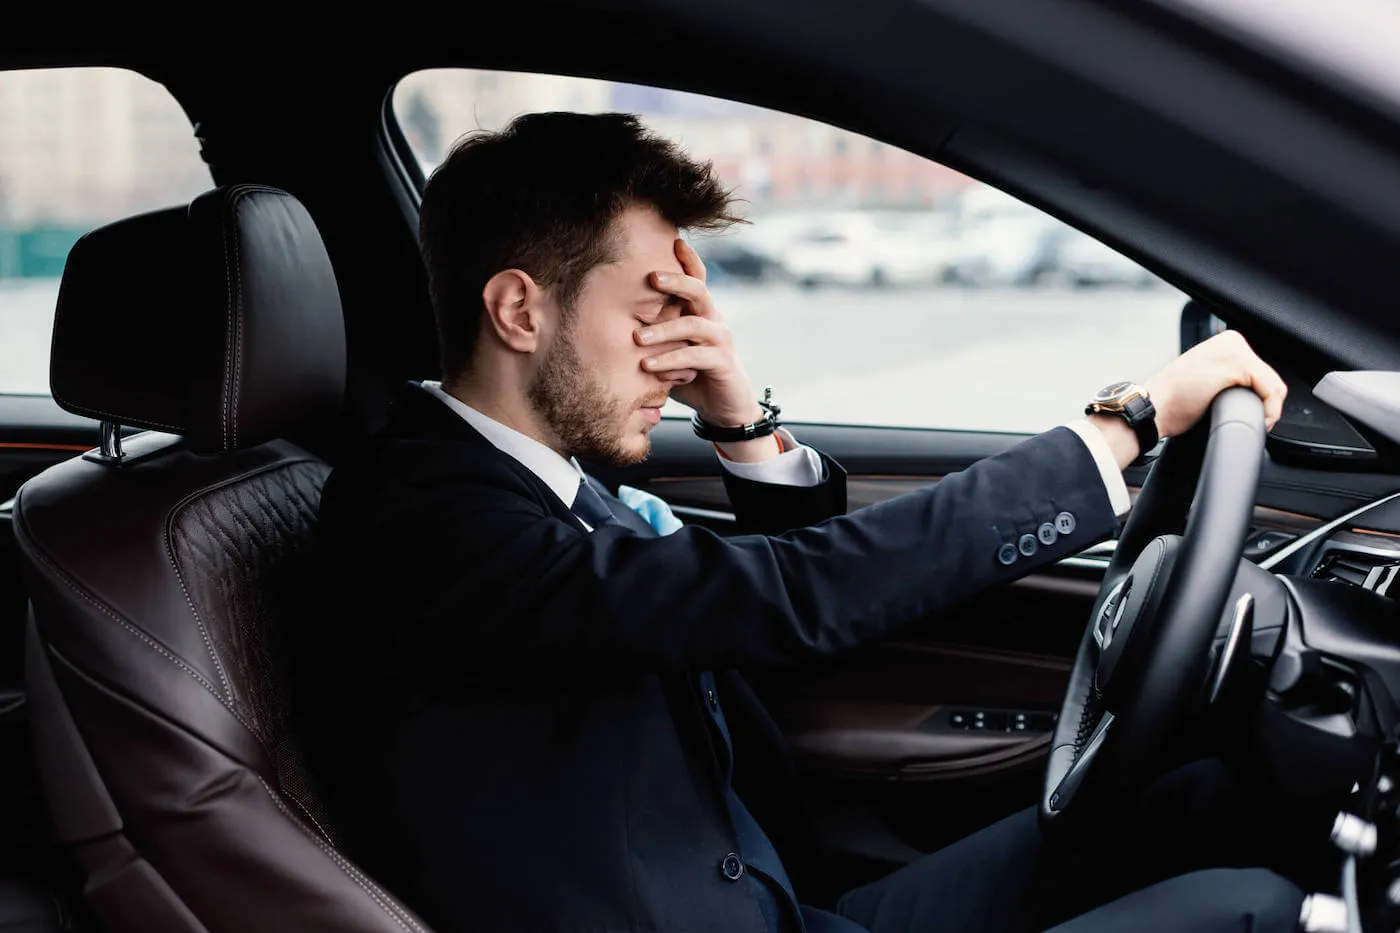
(541, 196)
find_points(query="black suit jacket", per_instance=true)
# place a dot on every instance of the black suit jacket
(523, 739)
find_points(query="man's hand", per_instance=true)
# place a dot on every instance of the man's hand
(1185, 388)
(720, 390)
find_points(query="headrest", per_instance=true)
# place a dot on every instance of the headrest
(220, 321)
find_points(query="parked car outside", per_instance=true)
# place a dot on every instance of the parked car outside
(871, 248)
(1000, 241)
(736, 256)
(1084, 261)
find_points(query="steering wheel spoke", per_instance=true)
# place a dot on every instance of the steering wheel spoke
(1064, 792)
(1241, 630)
(1110, 614)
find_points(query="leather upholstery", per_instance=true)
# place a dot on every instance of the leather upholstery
(25, 908)
(219, 321)
(160, 585)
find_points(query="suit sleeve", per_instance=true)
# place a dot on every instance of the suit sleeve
(774, 508)
(451, 576)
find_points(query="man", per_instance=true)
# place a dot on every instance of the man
(540, 681)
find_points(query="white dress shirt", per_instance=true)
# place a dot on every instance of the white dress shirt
(795, 466)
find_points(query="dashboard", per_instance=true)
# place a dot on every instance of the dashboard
(1345, 607)
(1360, 548)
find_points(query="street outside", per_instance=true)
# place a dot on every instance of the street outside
(1022, 359)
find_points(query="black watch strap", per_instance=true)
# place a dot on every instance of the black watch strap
(1142, 417)
(722, 434)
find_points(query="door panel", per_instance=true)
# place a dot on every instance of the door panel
(905, 710)
(34, 434)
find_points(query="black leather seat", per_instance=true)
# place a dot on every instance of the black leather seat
(160, 569)
(25, 907)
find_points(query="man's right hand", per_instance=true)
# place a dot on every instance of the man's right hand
(1185, 388)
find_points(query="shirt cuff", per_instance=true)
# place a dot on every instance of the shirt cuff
(795, 466)
(1113, 480)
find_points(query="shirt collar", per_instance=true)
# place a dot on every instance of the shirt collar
(560, 475)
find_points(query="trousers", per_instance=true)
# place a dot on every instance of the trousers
(1194, 854)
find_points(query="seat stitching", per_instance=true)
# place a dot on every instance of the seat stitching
(176, 511)
(143, 637)
(376, 893)
(235, 283)
(189, 601)
(237, 375)
(230, 285)
(306, 814)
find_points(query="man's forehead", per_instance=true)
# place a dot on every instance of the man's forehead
(645, 239)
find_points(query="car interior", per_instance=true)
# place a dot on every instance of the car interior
(211, 358)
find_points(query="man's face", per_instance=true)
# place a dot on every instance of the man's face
(590, 388)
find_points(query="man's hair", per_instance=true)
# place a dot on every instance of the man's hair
(541, 196)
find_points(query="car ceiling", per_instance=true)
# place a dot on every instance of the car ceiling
(1272, 195)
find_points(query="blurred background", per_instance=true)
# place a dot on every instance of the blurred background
(871, 286)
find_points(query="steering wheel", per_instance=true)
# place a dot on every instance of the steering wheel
(1140, 672)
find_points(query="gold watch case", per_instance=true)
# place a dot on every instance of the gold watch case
(1115, 397)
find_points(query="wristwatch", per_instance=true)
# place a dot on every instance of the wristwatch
(742, 432)
(1132, 402)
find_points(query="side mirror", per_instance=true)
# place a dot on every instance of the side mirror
(1198, 323)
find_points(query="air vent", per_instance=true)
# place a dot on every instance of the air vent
(1366, 569)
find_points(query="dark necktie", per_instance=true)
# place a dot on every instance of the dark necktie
(590, 507)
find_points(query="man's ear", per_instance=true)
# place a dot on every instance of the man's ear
(515, 309)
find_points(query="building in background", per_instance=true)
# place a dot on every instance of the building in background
(85, 145)
(437, 106)
(774, 160)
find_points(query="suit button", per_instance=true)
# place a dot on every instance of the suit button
(711, 700)
(732, 867)
(1007, 554)
(1065, 523)
(1047, 534)
(1028, 545)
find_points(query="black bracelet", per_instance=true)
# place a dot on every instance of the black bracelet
(744, 432)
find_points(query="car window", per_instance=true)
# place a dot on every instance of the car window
(871, 285)
(79, 147)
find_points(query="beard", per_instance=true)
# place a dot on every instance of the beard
(586, 422)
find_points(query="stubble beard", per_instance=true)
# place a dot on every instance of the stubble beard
(586, 422)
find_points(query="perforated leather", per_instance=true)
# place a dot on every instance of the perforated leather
(236, 548)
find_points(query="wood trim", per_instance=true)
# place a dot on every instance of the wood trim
(1372, 531)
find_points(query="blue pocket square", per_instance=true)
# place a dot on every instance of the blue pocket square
(655, 510)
